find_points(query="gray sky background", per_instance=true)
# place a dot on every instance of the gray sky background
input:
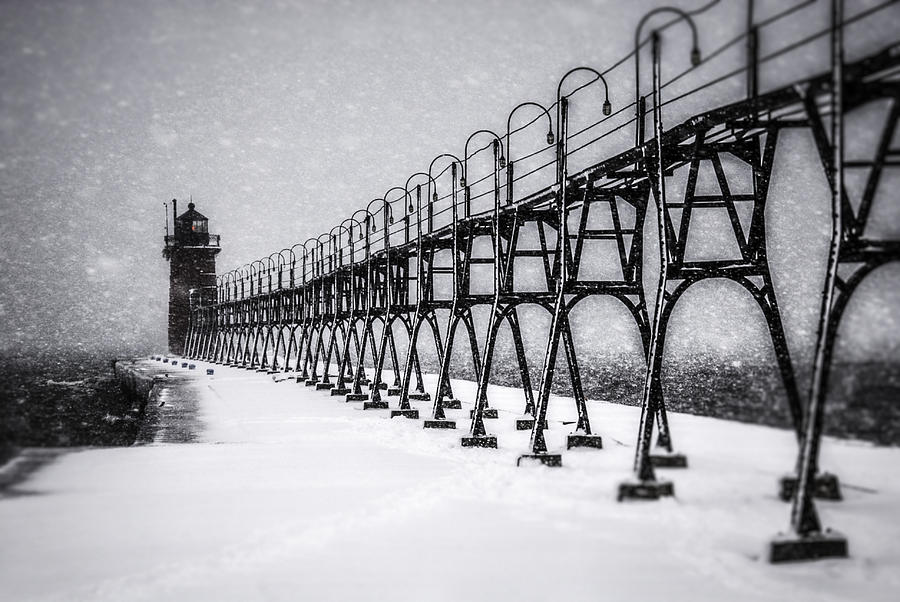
(281, 118)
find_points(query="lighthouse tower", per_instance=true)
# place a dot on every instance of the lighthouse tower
(191, 252)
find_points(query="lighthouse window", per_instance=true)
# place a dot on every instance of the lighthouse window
(199, 225)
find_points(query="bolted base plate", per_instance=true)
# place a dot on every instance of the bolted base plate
(589, 441)
(794, 548)
(451, 404)
(663, 459)
(357, 396)
(485, 441)
(526, 424)
(420, 396)
(339, 391)
(439, 424)
(826, 487)
(645, 490)
(392, 391)
(489, 414)
(324, 386)
(375, 405)
(411, 414)
(552, 460)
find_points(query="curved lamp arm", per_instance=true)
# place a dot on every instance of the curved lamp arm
(695, 52)
(498, 144)
(607, 106)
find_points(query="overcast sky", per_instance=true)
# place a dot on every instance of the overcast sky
(280, 119)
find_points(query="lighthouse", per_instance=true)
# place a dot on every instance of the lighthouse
(191, 251)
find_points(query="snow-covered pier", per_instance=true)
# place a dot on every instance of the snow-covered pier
(286, 493)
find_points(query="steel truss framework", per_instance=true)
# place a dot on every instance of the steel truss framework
(357, 296)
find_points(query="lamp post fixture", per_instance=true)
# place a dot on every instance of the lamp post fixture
(274, 265)
(257, 274)
(499, 163)
(455, 166)
(510, 162)
(282, 262)
(695, 60)
(420, 266)
(244, 278)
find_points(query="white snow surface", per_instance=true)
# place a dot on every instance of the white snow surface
(291, 494)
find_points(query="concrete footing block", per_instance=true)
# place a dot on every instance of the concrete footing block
(411, 414)
(826, 487)
(451, 404)
(489, 414)
(645, 490)
(375, 405)
(551, 460)
(439, 424)
(483, 441)
(795, 548)
(324, 386)
(312, 382)
(526, 424)
(420, 396)
(588, 441)
(339, 391)
(357, 396)
(662, 459)
(392, 391)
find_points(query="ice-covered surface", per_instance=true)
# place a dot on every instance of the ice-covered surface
(289, 494)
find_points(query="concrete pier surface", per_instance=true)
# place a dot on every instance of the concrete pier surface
(252, 489)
